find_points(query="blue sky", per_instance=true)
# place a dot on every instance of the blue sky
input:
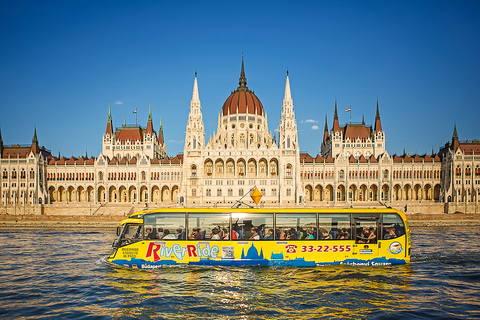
(63, 62)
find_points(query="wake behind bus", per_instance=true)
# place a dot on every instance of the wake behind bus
(270, 237)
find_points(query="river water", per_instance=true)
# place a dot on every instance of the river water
(59, 273)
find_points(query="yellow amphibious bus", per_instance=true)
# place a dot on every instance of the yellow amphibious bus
(273, 237)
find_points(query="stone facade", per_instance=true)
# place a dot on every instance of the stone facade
(354, 168)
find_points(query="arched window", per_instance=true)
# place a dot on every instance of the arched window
(242, 140)
(252, 138)
(5, 174)
(100, 175)
(289, 170)
(194, 170)
(468, 171)
(458, 172)
(194, 143)
(219, 192)
(240, 192)
(341, 175)
(194, 192)
(230, 192)
(288, 142)
(208, 192)
(385, 174)
(14, 174)
(233, 141)
(22, 174)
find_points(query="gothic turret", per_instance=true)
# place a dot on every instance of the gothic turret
(150, 121)
(109, 121)
(336, 125)
(378, 124)
(1, 144)
(195, 135)
(35, 146)
(325, 131)
(288, 124)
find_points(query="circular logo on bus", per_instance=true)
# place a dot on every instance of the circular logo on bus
(395, 248)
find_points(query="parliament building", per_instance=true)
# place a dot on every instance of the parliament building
(353, 169)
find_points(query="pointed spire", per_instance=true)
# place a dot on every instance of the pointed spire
(243, 80)
(336, 125)
(160, 133)
(150, 121)
(455, 141)
(109, 112)
(35, 147)
(287, 99)
(195, 95)
(35, 139)
(59, 156)
(378, 123)
(125, 122)
(1, 143)
(150, 112)
(109, 121)
(325, 131)
(363, 119)
(455, 134)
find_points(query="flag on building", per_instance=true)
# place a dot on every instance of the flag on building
(348, 109)
(134, 111)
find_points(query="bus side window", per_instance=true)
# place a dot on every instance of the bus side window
(392, 221)
(334, 226)
(296, 226)
(252, 226)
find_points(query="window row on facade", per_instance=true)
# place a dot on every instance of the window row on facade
(14, 174)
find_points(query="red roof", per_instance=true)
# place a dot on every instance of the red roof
(397, 158)
(470, 147)
(177, 160)
(129, 134)
(362, 159)
(242, 101)
(305, 157)
(16, 152)
(373, 159)
(354, 131)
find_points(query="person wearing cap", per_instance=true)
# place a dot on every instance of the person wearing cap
(196, 234)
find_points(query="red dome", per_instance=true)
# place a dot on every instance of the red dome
(242, 100)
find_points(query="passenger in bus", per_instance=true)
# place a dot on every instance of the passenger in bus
(343, 234)
(324, 235)
(309, 234)
(226, 234)
(215, 234)
(390, 234)
(368, 236)
(269, 235)
(159, 234)
(149, 234)
(255, 235)
(196, 234)
(180, 234)
(283, 234)
(292, 234)
(168, 236)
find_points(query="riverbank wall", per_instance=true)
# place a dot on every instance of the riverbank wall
(111, 221)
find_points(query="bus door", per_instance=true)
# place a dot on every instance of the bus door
(366, 231)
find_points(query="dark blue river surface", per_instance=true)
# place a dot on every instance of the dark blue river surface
(59, 273)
